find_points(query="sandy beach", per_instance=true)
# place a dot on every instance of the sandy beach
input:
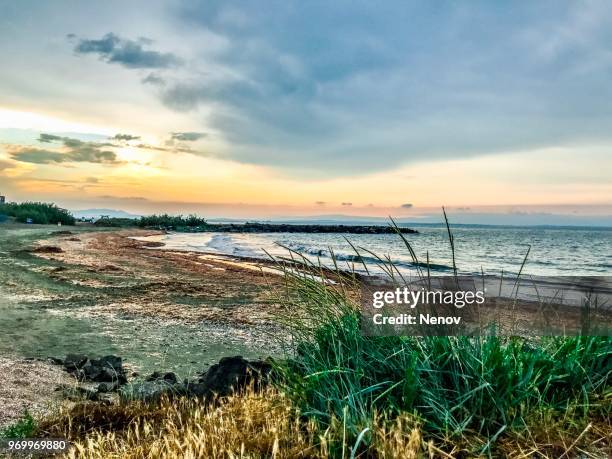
(103, 292)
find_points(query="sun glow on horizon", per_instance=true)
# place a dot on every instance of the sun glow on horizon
(15, 119)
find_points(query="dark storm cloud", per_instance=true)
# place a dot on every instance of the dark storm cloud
(129, 53)
(76, 151)
(188, 136)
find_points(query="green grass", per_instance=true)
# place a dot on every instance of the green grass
(471, 391)
(23, 428)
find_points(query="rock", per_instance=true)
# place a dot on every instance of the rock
(47, 249)
(169, 377)
(230, 374)
(149, 391)
(74, 362)
(112, 361)
(105, 369)
(233, 374)
(152, 244)
(55, 361)
(108, 387)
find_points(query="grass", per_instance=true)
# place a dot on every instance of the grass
(22, 428)
(340, 393)
(254, 424)
(472, 392)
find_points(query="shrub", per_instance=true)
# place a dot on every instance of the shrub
(166, 221)
(23, 428)
(40, 213)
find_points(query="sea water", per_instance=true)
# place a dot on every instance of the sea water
(553, 251)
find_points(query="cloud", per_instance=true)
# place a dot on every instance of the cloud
(188, 136)
(5, 165)
(320, 203)
(120, 198)
(154, 80)
(125, 137)
(75, 150)
(406, 206)
(48, 138)
(92, 180)
(347, 203)
(364, 91)
(129, 53)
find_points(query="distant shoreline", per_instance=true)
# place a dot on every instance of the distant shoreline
(251, 227)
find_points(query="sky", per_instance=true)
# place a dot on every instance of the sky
(281, 108)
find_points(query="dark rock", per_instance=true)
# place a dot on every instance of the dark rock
(233, 374)
(152, 244)
(47, 249)
(55, 361)
(74, 362)
(169, 377)
(112, 361)
(108, 387)
(105, 369)
(255, 227)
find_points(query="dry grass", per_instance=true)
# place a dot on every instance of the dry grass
(251, 425)
(267, 424)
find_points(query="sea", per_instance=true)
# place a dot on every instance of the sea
(540, 251)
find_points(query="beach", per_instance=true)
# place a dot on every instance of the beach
(102, 292)
(164, 311)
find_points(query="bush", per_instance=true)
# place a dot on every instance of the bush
(40, 213)
(166, 221)
(116, 222)
(23, 428)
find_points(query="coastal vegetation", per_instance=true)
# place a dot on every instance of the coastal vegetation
(49, 213)
(37, 212)
(175, 222)
(339, 393)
